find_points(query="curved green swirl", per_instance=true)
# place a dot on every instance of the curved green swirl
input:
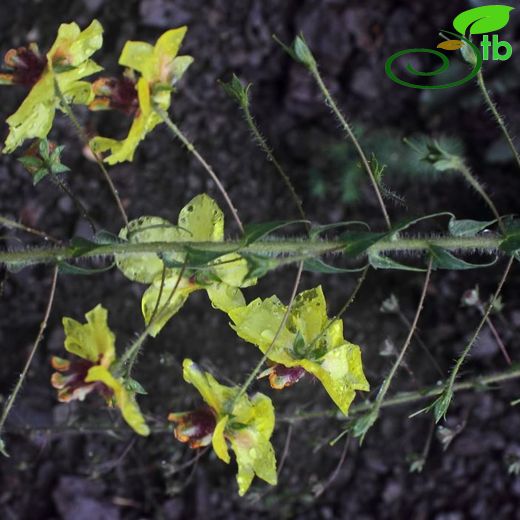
(445, 64)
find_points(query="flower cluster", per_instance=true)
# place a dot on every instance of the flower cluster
(246, 423)
(297, 342)
(201, 220)
(159, 69)
(93, 344)
(308, 342)
(64, 66)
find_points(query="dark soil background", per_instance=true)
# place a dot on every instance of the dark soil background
(66, 461)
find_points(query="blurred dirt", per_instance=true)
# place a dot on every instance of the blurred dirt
(77, 471)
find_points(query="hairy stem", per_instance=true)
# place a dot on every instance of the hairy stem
(43, 325)
(477, 186)
(488, 244)
(350, 133)
(176, 131)
(496, 114)
(453, 376)
(11, 224)
(262, 142)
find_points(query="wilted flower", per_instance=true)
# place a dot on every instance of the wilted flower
(67, 62)
(159, 68)
(309, 340)
(246, 423)
(94, 344)
(201, 220)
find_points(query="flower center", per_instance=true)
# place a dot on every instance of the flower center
(27, 65)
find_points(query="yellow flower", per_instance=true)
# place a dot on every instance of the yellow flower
(201, 220)
(67, 62)
(159, 68)
(308, 340)
(246, 423)
(94, 344)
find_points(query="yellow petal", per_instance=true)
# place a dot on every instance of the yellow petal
(203, 219)
(341, 374)
(145, 267)
(309, 313)
(252, 446)
(34, 117)
(179, 67)
(170, 302)
(124, 399)
(258, 323)
(224, 297)
(213, 393)
(92, 340)
(165, 51)
(73, 46)
(137, 56)
(219, 441)
(142, 125)
(232, 270)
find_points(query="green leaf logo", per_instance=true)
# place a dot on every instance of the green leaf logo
(482, 20)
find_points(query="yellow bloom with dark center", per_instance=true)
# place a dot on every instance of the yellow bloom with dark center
(159, 68)
(308, 340)
(245, 423)
(201, 220)
(67, 62)
(93, 343)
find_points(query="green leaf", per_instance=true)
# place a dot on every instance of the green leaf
(316, 231)
(442, 259)
(299, 345)
(81, 246)
(31, 162)
(59, 168)
(362, 424)
(104, 237)
(39, 175)
(482, 20)
(379, 261)
(43, 148)
(467, 228)
(441, 404)
(357, 242)
(254, 232)
(67, 268)
(405, 224)
(316, 265)
(259, 265)
(511, 242)
(237, 91)
(134, 386)
(200, 257)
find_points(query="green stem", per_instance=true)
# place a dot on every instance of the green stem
(176, 131)
(422, 394)
(262, 142)
(475, 184)
(453, 376)
(350, 133)
(496, 114)
(43, 325)
(402, 244)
